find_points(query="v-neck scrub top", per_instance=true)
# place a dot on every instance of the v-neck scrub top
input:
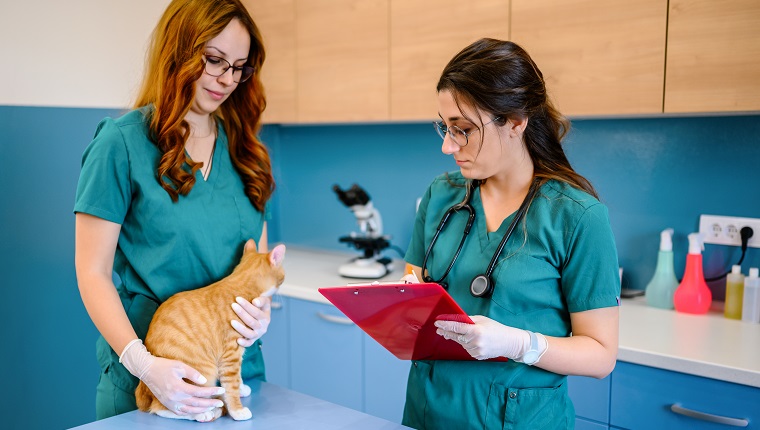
(163, 247)
(561, 259)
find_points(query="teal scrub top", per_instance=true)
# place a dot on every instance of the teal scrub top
(561, 259)
(164, 247)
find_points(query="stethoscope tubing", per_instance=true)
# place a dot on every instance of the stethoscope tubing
(483, 279)
(518, 216)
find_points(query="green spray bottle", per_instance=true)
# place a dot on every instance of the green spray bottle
(660, 290)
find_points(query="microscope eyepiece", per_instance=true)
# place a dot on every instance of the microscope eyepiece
(352, 196)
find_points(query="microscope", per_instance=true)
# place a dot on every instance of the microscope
(370, 238)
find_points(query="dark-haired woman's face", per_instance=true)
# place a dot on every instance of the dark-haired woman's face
(491, 149)
(231, 45)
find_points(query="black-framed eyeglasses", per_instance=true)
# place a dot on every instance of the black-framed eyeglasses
(217, 66)
(459, 136)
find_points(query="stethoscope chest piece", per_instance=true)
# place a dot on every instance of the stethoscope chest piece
(481, 286)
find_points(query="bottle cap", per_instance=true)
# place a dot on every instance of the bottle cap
(753, 272)
(736, 269)
(666, 240)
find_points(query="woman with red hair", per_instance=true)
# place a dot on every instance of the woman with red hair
(167, 196)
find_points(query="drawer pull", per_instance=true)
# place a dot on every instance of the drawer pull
(276, 305)
(736, 422)
(334, 319)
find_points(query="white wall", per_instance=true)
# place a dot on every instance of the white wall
(74, 53)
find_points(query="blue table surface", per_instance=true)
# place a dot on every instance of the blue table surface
(273, 407)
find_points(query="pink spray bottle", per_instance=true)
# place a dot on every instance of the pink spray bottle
(692, 295)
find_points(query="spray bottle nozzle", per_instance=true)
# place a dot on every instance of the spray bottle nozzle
(666, 240)
(696, 243)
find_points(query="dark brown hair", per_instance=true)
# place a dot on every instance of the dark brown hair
(500, 77)
(174, 63)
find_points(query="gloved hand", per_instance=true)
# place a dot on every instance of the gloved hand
(164, 379)
(489, 339)
(255, 315)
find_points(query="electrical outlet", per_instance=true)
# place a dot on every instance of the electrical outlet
(724, 230)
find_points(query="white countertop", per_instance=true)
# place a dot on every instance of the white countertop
(704, 345)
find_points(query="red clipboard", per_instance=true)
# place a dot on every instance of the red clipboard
(400, 317)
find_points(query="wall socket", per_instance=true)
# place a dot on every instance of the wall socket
(724, 230)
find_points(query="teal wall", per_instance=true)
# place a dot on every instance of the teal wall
(652, 174)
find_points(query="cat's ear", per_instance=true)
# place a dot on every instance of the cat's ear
(277, 255)
(250, 245)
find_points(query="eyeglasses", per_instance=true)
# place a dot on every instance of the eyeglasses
(217, 66)
(459, 136)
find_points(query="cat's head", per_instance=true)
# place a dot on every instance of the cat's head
(268, 266)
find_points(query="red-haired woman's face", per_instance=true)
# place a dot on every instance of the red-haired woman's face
(231, 45)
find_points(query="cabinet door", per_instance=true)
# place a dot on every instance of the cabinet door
(385, 377)
(342, 60)
(277, 24)
(597, 57)
(275, 344)
(713, 59)
(425, 35)
(591, 397)
(644, 398)
(326, 354)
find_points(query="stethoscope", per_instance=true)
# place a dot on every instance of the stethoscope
(482, 285)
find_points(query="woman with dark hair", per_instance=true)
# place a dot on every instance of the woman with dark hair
(538, 271)
(167, 196)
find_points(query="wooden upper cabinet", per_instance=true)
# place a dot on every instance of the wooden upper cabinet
(276, 22)
(425, 35)
(342, 60)
(597, 57)
(713, 59)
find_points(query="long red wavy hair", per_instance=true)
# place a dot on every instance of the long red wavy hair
(173, 64)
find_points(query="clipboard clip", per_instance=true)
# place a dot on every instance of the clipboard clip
(366, 284)
(373, 283)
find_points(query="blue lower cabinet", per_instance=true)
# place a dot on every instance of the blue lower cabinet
(647, 398)
(385, 379)
(326, 354)
(581, 424)
(275, 344)
(591, 397)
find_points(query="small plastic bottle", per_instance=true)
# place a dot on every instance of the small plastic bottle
(734, 293)
(660, 290)
(751, 305)
(693, 296)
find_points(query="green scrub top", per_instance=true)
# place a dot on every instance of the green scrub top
(164, 247)
(561, 259)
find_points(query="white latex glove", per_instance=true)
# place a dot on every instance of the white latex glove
(488, 339)
(164, 378)
(255, 315)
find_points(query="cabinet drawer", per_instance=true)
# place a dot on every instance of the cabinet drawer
(644, 397)
(591, 397)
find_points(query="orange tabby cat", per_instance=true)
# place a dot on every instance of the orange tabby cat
(194, 327)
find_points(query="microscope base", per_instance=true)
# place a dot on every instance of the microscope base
(364, 268)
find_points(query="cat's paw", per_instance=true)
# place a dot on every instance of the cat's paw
(208, 415)
(245, 390)
(241, 414)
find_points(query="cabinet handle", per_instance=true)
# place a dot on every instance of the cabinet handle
(334, 319)
(276, 305)
(736, 422)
